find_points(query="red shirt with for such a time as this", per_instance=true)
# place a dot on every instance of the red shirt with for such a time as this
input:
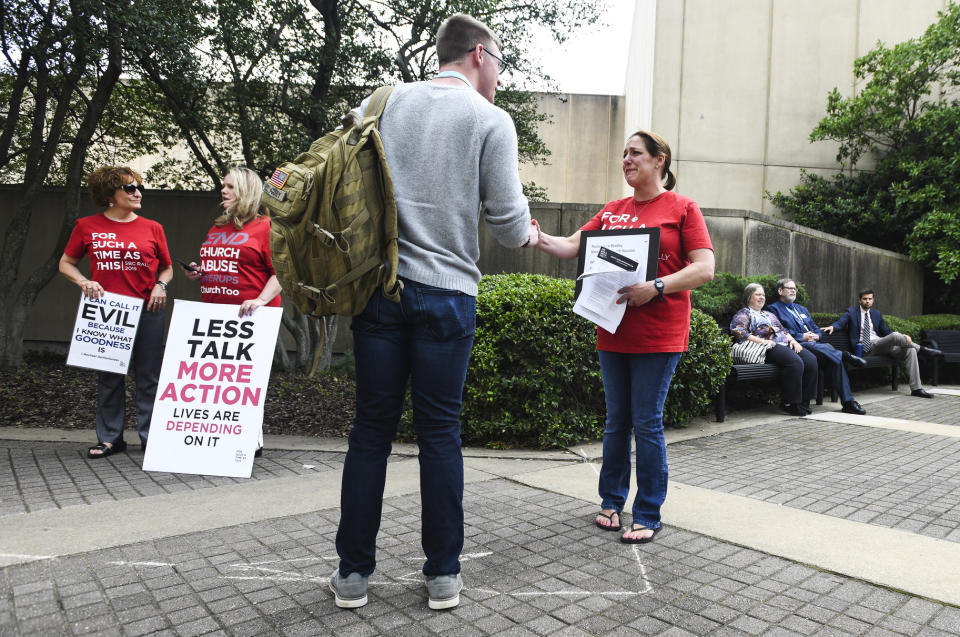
(125, 256)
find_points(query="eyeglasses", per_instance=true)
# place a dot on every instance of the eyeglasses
(132, 188)
(789, 289)
(501, 65)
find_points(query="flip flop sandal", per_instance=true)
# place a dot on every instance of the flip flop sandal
(639, 540)
(105, 449)
(608, 527)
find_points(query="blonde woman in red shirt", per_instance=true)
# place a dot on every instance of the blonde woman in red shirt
(235, 266)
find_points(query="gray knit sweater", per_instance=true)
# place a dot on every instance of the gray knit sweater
(450, 152)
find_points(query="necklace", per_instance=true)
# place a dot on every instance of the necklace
(637, 208)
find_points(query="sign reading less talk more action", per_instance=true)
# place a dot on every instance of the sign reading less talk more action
(104, 332)
(213, 385)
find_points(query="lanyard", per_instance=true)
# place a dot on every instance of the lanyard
(457, 74)
(799, 318)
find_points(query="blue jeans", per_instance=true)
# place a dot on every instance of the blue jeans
(635, 386)
(426, 340)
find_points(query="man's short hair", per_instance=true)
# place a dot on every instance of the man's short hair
(783, 282)
(459, 34)
(864, 291)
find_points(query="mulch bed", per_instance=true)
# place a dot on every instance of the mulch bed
(44, 392)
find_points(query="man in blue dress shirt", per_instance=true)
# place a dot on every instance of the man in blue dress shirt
(798, 321)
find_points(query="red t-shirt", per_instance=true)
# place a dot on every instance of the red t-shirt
(125, 257)
(236, 263)
(656, 326)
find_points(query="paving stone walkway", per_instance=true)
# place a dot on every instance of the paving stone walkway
(942, 409)
(533, 562)
(523, 578)
(904, 480)
(44, 475)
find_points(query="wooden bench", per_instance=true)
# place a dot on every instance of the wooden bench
(755, 372)
(839, 340)
(948, 342)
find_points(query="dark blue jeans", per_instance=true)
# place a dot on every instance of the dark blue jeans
(635, 387)
(145, 361)
(426, 340)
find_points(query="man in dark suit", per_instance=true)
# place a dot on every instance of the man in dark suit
(798, 321)
(865, 327)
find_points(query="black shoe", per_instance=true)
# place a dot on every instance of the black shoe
(104, 450)
(853, 407)
(805, 406)
(921, 393)
(258, 453)
(792, 410)
(930, 351)
(854, 360)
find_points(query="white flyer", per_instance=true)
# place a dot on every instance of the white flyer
(104, 332)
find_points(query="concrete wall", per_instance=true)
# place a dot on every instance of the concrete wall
(739, 84)
(748, 243)
(832, 269)
(745, 242)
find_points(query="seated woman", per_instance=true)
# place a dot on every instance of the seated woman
(798, 373)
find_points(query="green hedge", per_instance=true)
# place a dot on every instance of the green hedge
(824, 318)
(905, 326)
(534, 377)
(937, 321)
(723, 297)
(701, 372)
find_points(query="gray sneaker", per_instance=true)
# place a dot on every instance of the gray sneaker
(350, 591)
(444, 591)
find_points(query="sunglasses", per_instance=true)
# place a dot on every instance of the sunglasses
(132, 188)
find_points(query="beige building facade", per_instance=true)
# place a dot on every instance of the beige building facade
(734, 86)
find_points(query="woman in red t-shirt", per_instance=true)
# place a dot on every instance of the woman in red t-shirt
(638, 360)
(128, 255)
(235, 266)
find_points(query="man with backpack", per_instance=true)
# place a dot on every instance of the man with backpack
(453, 158)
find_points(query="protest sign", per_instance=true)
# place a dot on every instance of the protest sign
(104, 332)
(213, 385)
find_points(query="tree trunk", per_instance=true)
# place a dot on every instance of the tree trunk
(12, 319)
(307, 333)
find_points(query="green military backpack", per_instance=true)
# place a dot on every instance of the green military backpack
(333, 232)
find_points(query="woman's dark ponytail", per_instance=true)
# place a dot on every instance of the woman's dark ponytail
(671, 180)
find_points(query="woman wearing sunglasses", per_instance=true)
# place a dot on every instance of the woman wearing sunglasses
(128, 255)
(235, 266)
